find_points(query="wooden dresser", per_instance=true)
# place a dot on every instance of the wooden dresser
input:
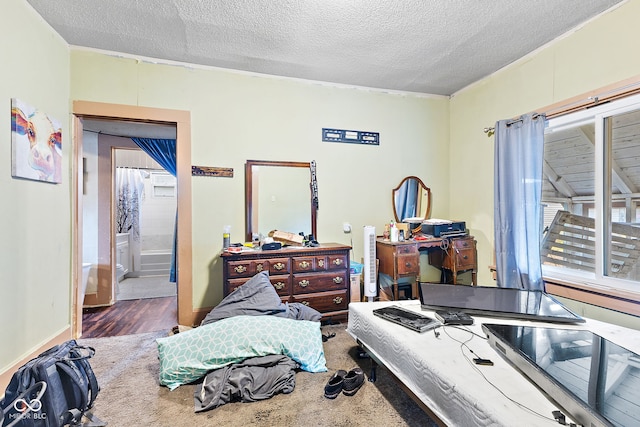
(314, 276)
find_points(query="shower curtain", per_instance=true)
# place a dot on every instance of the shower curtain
(129, 194)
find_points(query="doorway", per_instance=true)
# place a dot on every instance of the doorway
(119, 115)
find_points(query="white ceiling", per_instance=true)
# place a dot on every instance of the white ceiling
(424, 46)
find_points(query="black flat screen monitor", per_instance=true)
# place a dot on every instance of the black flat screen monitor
(594, 381)
(496, 302)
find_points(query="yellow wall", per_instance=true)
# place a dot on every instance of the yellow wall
(238, 116)
(35, 217)
(599, 54)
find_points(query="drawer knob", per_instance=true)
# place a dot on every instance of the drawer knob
(337, 280)
(304, 303)
(465, 244)
(278, 285)
(279, 266)
(303, 283)
(337, 300)
(337, 261)
(407, 264)
(240, 269)
(259, 268)
(304, 264)
(465, 257)
(321, 263)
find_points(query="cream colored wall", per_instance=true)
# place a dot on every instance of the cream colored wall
(35, 217)
(599, 54)
(236, 117)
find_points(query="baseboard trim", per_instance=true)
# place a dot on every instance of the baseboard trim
(5, 376)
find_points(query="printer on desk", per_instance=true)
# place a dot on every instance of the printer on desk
(444, 228)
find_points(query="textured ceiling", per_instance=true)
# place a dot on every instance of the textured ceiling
(424, 46)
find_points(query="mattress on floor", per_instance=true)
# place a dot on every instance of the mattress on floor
(440, 372)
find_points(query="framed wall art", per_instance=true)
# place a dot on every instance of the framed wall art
(36, 144)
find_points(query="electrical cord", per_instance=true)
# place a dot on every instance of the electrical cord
(463, 345)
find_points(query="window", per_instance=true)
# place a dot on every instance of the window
(591, 198)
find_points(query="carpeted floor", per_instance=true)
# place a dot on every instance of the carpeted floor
(145, 287)
(127, 369)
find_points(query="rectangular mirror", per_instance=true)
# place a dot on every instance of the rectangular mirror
(278, 196)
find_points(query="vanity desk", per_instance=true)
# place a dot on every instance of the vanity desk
(451, 255)
(314, 276)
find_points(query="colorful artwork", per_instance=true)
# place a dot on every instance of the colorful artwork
(36, 144)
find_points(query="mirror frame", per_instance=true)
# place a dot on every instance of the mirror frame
(248, 191)
(393, 198)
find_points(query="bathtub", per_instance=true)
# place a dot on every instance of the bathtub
(89, 278)
(155, 262)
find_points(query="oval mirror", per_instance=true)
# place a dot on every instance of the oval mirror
(411, 200)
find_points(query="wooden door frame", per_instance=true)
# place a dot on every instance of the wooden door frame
(182, 121)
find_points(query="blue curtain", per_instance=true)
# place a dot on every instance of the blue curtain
(163, 151)
(519, 155)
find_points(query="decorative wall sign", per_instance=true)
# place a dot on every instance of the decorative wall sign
(211, 171)
(36, 144)
(350, 136)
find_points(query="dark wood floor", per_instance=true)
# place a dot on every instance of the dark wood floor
(130, 317)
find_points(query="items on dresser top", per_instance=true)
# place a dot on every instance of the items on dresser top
(314, 276)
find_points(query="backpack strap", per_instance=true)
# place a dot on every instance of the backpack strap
(82, 361)
(73, 373)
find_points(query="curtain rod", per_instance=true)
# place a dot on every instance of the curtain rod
(490, 130)
(588, 100)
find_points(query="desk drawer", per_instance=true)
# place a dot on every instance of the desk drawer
(465, 259)
(406, 249)
(466, 243)
(408, 264)
(305, 283)
(464, 253)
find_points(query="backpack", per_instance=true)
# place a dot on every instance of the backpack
(54, 389)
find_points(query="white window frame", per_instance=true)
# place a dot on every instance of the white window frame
(597, 281)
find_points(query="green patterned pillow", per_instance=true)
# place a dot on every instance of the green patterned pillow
(190, 355)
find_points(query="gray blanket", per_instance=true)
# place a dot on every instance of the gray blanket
(257, 378)
(258, 297)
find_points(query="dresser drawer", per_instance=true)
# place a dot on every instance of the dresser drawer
(247, 268)
(324, 301)
(305, 264)
(305, 283)
(282, 284)
(336, 262)
(279, 266)
(408, 264)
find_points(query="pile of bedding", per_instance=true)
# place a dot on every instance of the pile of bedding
(247, 348)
